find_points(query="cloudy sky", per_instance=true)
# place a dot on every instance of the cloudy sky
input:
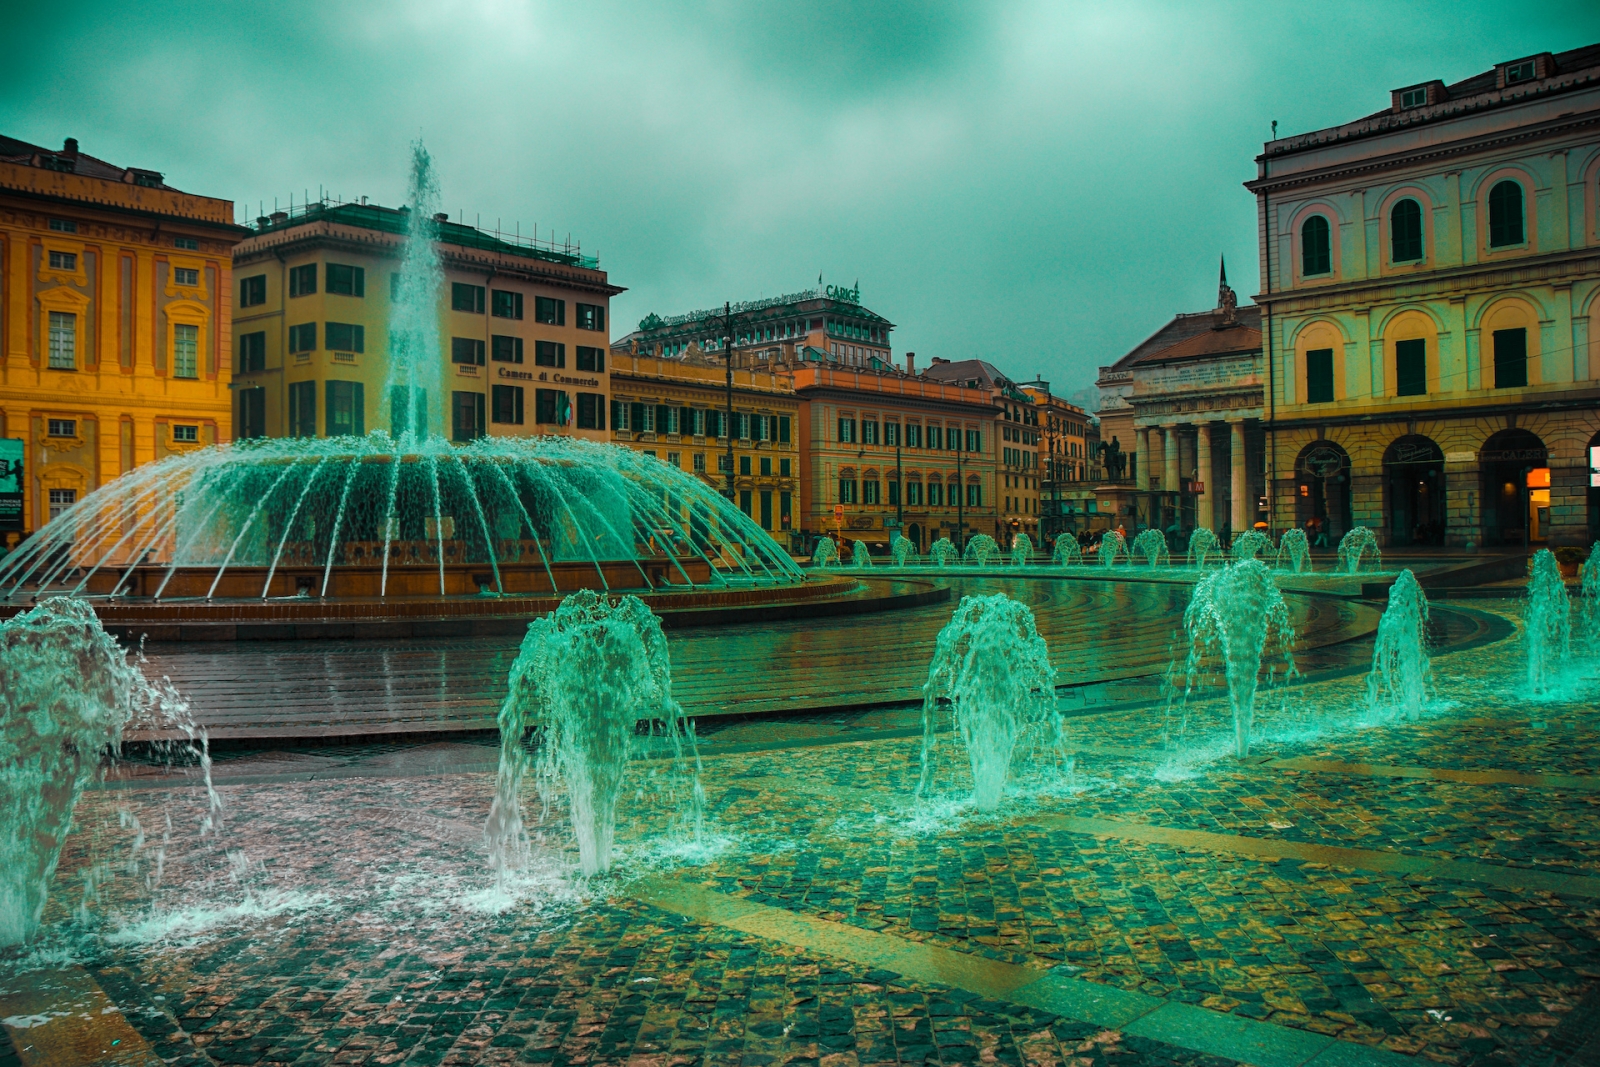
(1039, 184)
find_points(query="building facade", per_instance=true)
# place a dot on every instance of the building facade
(1017, 440)
(523, 329)
(114, 315)
(1431, 275)
(676, 409)
(1067, 500)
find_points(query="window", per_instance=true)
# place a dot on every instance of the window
(699, 462)
(1414, 97)
(466, 415)
(894, 493)
(766, 509)
(619, 415)
(913, 494)
(552, 406)
(766, 466)
(347, 415)
(674, 459)
(186, 242)
(935, 494)
(187, 276)
(346, 336)
(64, 261)
(505, 349)
(952, 438)
(590, 316)
(346, 280)
(63, 340)
(61, 500)
(464, 297)
(974, 441)
(974, 496)
(253, 291)
(62, 427)
(591, 411)
(1316, 251)
(724, 463)
(744, 465)
(1510, 358)
(303, 338)
(467, 350)
(1519, 72)
(591, 359)
(869, 431)
(641, 418)
(1505, 214)
(744, 501)
(847, 431)
(1410, 368)
(508, 404)
(783, 430)
(252, 414)
(506, 305)
(63, 225)
(1319, 376)
(847, 491)
(741, 425)
(550, 311)
(698, 421)
(549, 353)
(185, 350)
(891, 434)
(869, 491)
(913, 435)
(303, 280)
(1405, 232)
(302, 409)
(785, 468)
(721, 421)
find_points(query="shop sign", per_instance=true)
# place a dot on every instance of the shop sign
(10, 483)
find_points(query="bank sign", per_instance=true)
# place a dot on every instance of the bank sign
(10, 484)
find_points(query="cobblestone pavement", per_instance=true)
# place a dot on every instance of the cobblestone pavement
(352, 919)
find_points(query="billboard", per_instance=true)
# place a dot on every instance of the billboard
(10, 484)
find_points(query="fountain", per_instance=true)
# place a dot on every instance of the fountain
(1237, 617)
(980, 550)
(860, 554)
(1401, 679)
(1355, 546)
(1203, 545)
(587, 674)
(990, 683)
(1294, 551)
(1152, 545)
(1589, 598)
(1250, 545)
(825, 552)
(412, 383)
(901, 549)
(1112, 545)
(1546, 624)
(1068, 552)
(944, 552)
(1021, 550)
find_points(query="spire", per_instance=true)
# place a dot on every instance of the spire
(1226, 300)
(1224, 279)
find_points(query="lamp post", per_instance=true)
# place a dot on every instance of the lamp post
(727, 360)
(899, 493)
(961, 491)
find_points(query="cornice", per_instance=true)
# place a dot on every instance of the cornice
(1575, 263)
(870, 398)
(1572, 400)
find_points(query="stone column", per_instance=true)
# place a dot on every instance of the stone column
(1205, 514)
(1240, 520)
(1141, 474)
(1169, 471)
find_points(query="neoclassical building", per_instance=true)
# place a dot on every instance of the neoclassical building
(1431, 274)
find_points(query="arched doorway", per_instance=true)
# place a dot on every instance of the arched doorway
(1593, 454)
(914, 535)
(1322, 489)
(1516, 488)
(1413, 491)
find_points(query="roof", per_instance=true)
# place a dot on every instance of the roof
(69, 160)
(1217, 341)
(965, 370)
(1185, 326)
(1573, 69)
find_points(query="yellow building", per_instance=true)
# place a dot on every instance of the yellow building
(523, 329)
(115, 318)
(676, 410)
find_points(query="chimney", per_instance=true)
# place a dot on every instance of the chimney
(911, 369)
(70, 148)
(279, 216)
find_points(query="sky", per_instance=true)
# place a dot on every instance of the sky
(1041, 185)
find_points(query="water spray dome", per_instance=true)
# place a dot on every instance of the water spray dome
(359, 517)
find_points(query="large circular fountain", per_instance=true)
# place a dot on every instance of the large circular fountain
(377, 517)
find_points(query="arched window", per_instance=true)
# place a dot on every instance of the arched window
(1505, 214)
(1405, 231)
(1316, 253)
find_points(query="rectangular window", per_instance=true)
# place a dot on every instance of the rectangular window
(63, 340)
(466, 416)
(252, 414)
(935, 437)
(1519, 72)
(464, 297)
(666, 419)
(847, 431)
(467, 350)
(697, 420)
(891, 434)
(190, 243)
(63, 226)
(1414, 98)
(506, 305)
(1319, 376)
(974, 496)
(766, 509)
(952, 439)
(303, 280)
(785, 468)
(1510, 358)
(591, 411)
(721, 421)
(783, 430)
(913, 435)
(785, 510)
(847, 491)
(550, 311)
(505, 349)
(974, 441)
(935, 494)
(345, 280)
(253, 291)
(869, 491)
(641, 417)
(346, 409)
(62, 427)
(346, 336)
(674, 459)
(1410, 368)
(551, 407)
(744, 501)
(724, 462)
(686, 421)
(508, 404)
(619, 415)
(894, 493)
(591, 359)
(61, 500)
(766, 466)
(744, 465)
(549, 353)
(302, 409)
(185, 350)
(64, 261)
(869, 431)
(699, 462)
(590, 316)
(303, 338)
(913, 494)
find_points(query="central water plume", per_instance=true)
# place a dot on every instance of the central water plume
(1355, 546)
(990, 682)
(944, 552)
(1152, 545)
(1203, 545)
(413, 385)
(1401, 679)
(1238, 617)
(1294, 550)
(1112, 545)
(586, 675)
(981, 549)
(1546, 624)
(860, 554)
(824, 553)
(901, 549)
(1067, 552)
(1021, 550)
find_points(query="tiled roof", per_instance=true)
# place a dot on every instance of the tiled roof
(69, 158)
(963, 370)
(1218, 341)
(1184, 326)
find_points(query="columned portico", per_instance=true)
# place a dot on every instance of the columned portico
(1240, 520)
(1141, 476)
(1202, 453)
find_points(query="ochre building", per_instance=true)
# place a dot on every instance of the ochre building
(114, 314)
